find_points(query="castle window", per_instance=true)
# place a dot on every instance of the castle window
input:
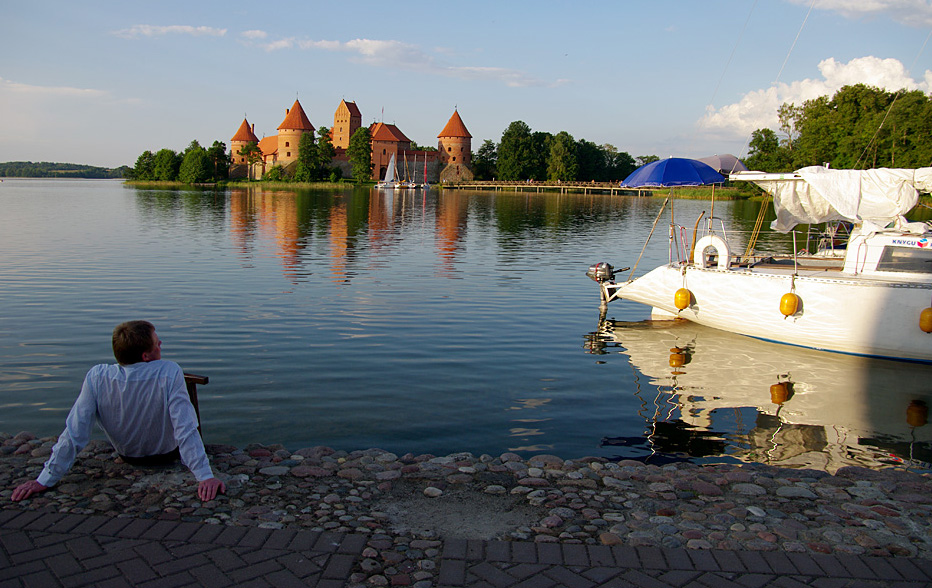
(454, 158)
(449, 149)
(287, 144)
(288, 154)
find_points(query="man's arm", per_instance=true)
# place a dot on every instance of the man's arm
(74, 438)
(190, 445)
(26, 490)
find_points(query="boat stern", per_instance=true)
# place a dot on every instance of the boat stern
(603, 273)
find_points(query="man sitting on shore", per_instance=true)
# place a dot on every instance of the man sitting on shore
(142, 405)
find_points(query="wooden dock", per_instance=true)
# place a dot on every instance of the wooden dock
(561, 187)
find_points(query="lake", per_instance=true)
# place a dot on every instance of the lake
(427, 323)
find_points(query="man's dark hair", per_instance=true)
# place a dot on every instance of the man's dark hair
(130, 340)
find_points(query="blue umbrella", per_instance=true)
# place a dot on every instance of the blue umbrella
(675, 171)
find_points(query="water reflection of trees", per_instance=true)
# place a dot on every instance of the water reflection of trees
(308, 226)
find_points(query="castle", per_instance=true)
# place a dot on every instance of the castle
(450, 163)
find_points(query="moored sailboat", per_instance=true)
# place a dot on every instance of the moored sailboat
(390, 181)
(871, 297)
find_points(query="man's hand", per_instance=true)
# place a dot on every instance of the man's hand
(28, 489)
(206, 490)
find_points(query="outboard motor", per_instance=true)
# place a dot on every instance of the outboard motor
(601, 272)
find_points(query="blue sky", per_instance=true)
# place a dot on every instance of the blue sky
(100, 82)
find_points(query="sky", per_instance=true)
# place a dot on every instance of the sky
(98, 83)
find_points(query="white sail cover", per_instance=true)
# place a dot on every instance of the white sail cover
(874, 197)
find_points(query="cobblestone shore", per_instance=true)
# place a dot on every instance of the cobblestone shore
(404, 503)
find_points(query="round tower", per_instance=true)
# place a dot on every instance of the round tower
(295, 124)
(455, 147)
(244, 135)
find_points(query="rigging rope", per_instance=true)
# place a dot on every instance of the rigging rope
(886, 114)
(752, 241)
(747, 141)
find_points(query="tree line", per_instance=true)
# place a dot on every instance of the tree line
(859, 127)
(45, 169)
(196, 164)
(193, 165)
(523, 154)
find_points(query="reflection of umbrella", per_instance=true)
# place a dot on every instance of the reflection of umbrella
(725, 163)
(675, 171)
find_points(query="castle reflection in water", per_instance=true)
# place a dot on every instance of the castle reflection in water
(349, 222)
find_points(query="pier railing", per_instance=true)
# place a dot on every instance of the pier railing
(611, 188)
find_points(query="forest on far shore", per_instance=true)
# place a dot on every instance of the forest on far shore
(45, 169)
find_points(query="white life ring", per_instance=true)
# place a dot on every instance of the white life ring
(721, 249)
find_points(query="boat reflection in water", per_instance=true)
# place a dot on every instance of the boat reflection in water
(714, 395)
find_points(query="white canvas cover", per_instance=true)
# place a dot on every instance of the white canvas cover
(874, 197)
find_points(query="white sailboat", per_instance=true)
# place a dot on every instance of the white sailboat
(390, 181)
(873, 297)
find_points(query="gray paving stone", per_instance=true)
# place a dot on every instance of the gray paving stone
(454, 549)
(564, 577)
(575, 554)
(550, 553)
(452, 572)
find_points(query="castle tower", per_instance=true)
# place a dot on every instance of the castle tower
(455, 147)
(346, 121)
(244, 135)
(295, 124)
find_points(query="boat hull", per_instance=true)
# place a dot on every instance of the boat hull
(863, 317)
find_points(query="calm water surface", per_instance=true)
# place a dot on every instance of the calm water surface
(453, 321)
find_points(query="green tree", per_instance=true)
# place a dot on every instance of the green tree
(540, 152)
(275, 174)
(359, 154)
(219, 160)
(253, 155)
(765, 153)
(145, 167)
(859, 127)
(561, 161)
(515, 153)
(618, 164)
(325, 150)
(645, 159)
(165, 165)
(307, 168)
(592, 162)
(485, 161)
(195, 165)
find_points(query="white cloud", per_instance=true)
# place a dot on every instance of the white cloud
(399, 55)
(136, 31)
(758, 109)
(7, 86)
(916, 13)
(287, 43)
(254, 34)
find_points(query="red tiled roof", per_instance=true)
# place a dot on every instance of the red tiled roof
(245, 133)
(353, 110)
(455, 128)
(296, 119)
(269, 145)
(386, 132)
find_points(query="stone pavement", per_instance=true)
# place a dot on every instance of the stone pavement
(48, 549)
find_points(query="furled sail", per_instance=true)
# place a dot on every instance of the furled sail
(874, 197)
